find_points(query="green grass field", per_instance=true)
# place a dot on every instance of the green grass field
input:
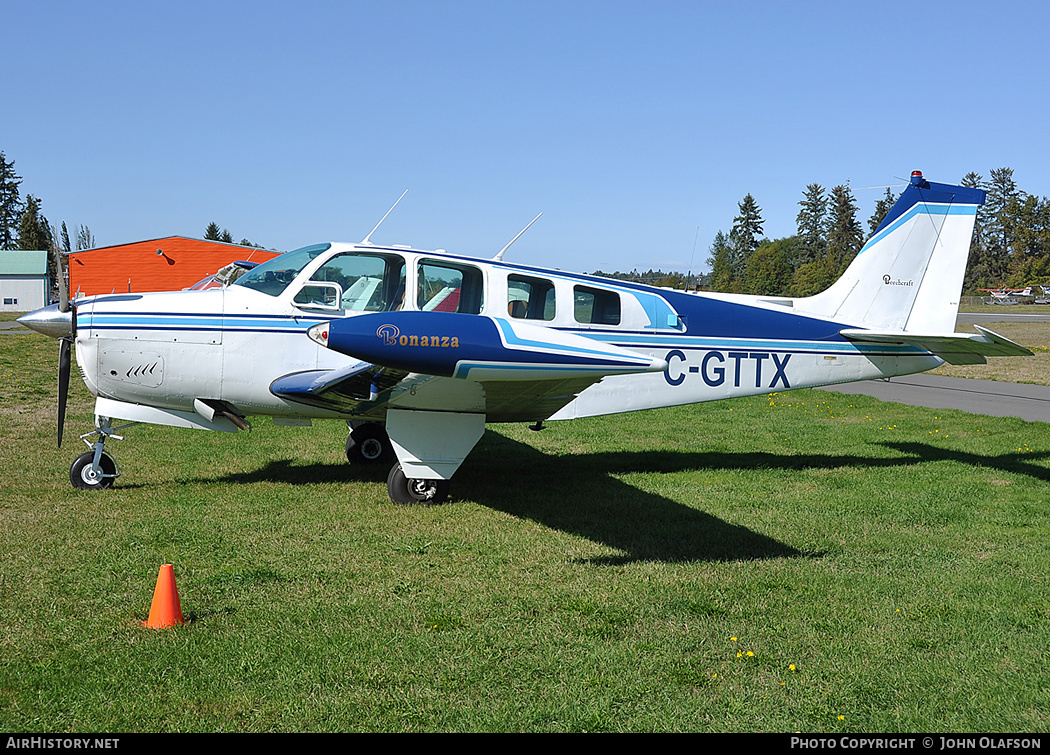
(805, 561)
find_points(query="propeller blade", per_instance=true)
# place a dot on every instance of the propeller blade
(63, 383)
(63, 287)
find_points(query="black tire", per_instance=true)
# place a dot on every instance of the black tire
(369, 444)
(81, 476)
(406, 490)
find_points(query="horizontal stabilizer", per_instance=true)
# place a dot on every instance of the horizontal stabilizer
(954, 348)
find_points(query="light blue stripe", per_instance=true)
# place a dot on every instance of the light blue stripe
(695, 343)
(920, 209)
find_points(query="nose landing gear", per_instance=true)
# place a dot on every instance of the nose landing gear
(96, 469)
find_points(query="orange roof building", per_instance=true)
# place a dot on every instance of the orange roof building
(166, 264)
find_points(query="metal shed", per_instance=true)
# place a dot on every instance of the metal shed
(23, 280)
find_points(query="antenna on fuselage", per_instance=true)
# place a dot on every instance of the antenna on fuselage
(499, 255)
(369, 236)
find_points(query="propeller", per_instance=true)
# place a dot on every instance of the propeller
(65, 344)
(59, 321)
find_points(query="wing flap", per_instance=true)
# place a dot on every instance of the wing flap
(530, 400)
(954, 348)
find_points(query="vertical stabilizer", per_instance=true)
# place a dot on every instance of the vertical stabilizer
(908, 276)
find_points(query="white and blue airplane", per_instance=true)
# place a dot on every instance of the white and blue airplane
(419, 350)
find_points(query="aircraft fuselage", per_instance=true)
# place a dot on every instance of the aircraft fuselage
(168, 350)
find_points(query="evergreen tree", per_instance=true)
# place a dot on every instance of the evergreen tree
(746, 234)
(844, 232)
(85, 240)
(882, 209)
(212, 232)
(812, 225)
(721, 262)
(65, 239)
(997, 231)
(977, 268)
(33, 229)
(10, 203)
(1027, 221)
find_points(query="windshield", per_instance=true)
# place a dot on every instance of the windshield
(273, 276)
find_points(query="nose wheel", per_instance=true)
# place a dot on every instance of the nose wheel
(86, 475)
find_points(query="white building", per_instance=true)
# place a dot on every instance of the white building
(23, 281)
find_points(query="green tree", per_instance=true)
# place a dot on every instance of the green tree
(214, 233)
(997, 233)
(882, 209)
(769, 269)
(33, 229)
(85, 240)
(10, 203)
(813, 277)
(844, 233)
(746, 234)
(723, 277)
(978, 273)
(1027, 221)
(812, 222)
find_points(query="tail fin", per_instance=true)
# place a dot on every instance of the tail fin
(908, 276)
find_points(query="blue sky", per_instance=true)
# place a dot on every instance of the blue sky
(636, 128)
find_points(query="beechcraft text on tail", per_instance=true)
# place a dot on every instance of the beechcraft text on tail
(418, 350)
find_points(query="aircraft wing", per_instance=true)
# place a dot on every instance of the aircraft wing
(954, 348)
(364, 387)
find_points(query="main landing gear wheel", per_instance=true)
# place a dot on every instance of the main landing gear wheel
(368, 444)
(84, 477)
(407, 490)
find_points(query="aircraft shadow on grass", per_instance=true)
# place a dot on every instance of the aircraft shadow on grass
(581, 494)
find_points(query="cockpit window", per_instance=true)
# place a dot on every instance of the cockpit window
(368, 282)
(450, 287)
(273, 276)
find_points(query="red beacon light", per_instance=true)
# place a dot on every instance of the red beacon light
(916, 178)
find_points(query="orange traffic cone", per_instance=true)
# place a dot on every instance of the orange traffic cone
(165, 611)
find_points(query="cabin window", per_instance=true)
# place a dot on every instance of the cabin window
(367, 282)
(530, 298)
(595, 306)
(449, 287)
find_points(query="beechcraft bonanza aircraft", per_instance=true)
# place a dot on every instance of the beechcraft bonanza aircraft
(418, 350)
